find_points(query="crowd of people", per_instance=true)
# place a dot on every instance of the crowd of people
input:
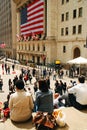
(21, 102)
(6, 68)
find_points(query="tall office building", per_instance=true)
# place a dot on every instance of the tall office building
(8, 28)
(48, 31)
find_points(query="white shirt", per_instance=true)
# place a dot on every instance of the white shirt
(80, 91)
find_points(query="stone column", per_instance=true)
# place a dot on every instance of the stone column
(18, 22)
(51, 19)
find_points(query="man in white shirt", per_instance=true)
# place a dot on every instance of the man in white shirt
(78, 94)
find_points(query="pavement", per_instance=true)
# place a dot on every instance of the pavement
(5, 77)
(72, 115)
(5, 88)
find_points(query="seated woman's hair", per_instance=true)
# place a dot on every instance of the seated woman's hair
(20, 84)
(43, 85)
(81, 78)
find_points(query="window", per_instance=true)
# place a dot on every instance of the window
(67, 16)
(80, 12)
(33, 47)
(19, 47)
(66, 30)
(22, 47)
(74, 29)
(43, 47)
(29, 47)
(33, 59)
(38, 48)
(25, 47)
(67, 1)
(79, 29)
(62, 17)
(62, 31)
(64, 49)
(74, 13)
(62, 2)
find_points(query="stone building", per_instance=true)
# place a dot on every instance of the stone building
(8, 28)
(64, 34)
(71, 32)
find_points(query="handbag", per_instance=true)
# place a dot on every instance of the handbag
(45, 119)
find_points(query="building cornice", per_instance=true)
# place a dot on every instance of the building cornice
(20, 3)
(17, 1)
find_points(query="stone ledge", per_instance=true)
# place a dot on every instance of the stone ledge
(75, 120)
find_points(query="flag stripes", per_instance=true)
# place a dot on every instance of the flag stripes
(35, 18)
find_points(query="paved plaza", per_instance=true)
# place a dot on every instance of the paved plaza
(71, 124)
(5, 88)
(5, 77)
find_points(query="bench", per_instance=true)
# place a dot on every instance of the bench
(75, 120)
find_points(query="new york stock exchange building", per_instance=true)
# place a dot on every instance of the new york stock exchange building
(51, 30)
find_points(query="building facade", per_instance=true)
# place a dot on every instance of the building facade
(72, 32)
(8, 28)
(64, 33)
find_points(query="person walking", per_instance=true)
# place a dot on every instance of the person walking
(1, 83)
(2, 68)
(13, 67)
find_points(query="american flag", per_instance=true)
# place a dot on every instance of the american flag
(32, 18)
(2, 45)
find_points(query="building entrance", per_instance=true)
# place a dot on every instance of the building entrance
(76, 52)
